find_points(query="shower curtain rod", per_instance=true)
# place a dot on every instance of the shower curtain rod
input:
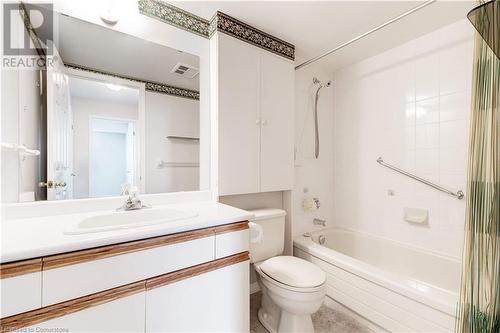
(397, 18)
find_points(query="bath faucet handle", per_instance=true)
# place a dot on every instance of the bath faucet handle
(317, 203)
(321, 222)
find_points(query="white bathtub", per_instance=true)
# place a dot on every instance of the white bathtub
(397, 287)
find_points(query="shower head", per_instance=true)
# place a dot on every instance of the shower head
(316, 127)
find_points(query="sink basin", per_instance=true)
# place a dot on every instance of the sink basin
(128, 219)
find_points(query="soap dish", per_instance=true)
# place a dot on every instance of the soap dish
(416, 215)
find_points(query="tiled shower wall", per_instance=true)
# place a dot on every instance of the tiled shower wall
(409, 105)
(312, 175)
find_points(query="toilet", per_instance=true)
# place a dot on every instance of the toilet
(292, 288)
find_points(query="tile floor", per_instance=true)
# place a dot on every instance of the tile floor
(326, 320)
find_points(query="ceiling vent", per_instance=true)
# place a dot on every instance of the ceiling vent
(185, 70)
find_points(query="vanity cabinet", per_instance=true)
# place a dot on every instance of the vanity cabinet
(21, 287)
(106, 270)
(210, 302)
(231, 239)
(255, 101)
(125, 314)
(191, 281)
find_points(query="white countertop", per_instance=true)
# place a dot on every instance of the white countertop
(43, 236)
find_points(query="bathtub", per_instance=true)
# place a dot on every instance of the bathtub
(397, 287)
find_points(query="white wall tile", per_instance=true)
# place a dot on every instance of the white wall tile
(381, 115)
(454, 106)
(427, 136)
(455, 54)
(427, 111)
(453, 160)
(427, 163)
(427, 76)
(453, 134)
(454, 66)
(316, 175)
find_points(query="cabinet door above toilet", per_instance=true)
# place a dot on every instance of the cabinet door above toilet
(255, 106)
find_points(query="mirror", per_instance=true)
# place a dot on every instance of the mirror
(110, 109)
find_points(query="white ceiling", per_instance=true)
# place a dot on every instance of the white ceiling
(317, 26)
(94, 46)
(91, 89)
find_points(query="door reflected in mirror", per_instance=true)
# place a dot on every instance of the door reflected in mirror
(95, 136)
(111, 156)
(112, 109)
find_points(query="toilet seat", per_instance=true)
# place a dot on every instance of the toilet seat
(292, 273)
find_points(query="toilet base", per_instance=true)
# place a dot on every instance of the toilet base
(288, 323)
(294, 323)
(267, 321)
(269, 313)
(277, 320)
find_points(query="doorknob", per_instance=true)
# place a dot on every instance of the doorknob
(52, 184)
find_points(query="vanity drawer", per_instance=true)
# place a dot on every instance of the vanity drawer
(231, 239)
(124, 314)
(62, 281)
(20, 287)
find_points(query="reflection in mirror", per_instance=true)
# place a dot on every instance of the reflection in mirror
(111, 109)
(105, 117)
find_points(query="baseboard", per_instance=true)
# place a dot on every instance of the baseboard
(254, 287)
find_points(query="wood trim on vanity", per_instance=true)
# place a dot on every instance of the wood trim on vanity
(231, 227)
(187, 273)
(22, 267)
(71, 258)
(58, 310)
(37, 316)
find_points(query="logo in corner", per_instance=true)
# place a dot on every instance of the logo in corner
(27, 35)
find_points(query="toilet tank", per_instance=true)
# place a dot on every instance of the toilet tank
(272, 222)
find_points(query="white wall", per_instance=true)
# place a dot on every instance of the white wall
(170, 115)
(310, 173)
(409, 105)
(83, 109)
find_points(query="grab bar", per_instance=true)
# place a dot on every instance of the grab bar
(459, 194)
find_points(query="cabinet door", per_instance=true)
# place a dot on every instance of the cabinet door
(20, 293)
(239, 115)
(65, 283)
(230, 243)
(122, 315)
(216, 301)
(277, 112)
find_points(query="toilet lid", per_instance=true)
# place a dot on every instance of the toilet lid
(293, 271)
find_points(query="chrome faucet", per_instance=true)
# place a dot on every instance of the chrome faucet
(319, 222)
(132, 202)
